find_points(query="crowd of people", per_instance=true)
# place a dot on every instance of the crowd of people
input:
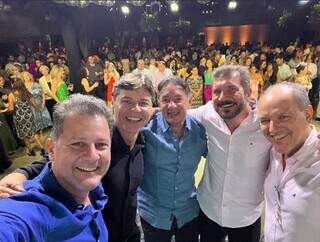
(154, 156)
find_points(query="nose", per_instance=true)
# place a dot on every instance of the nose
(93, 153)
(272, 126)
(171, 104)
(136, 107)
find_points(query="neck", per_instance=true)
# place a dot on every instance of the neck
(81, 198)
(129, 138)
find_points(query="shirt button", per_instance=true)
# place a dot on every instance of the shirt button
(176, 188)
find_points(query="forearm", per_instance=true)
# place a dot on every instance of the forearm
(32, 170)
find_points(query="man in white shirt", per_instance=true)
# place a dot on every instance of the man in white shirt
(292, 185)
(141, 70)
(161, 74)
(230, 193)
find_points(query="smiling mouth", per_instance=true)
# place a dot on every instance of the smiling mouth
(226, 104)
(279, 137)
(133, 119)
(88, 169)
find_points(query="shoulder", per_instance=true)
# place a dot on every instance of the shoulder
(200, 112)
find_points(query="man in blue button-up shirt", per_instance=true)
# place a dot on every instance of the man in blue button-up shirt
(175, 143)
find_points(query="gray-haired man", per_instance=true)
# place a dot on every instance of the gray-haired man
(64, 202)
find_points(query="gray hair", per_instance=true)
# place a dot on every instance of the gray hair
(228, 70)
(79, 104)
(132, 82)
(298, 92)
(175, 80)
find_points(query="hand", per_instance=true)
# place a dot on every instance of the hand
(1, 123)
(96, 84)
(11, 184)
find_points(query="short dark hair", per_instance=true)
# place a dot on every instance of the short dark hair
(177, 81)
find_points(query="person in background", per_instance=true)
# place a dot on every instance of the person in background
(95, 77)
(270, 76)
(208, 80)
(41, 116)
(292, 185)
(59, 88)
(9, 144)
(20, 101)
(284, 73)
(303, 77)
(64, 202)
(195, 83)
(161, 74)
(312, 69)
(46, 84)
(256, 81)
(111, 77)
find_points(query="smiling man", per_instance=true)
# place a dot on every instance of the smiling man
(292, 185)
(133, 96)
(230, 193)
(64, 202)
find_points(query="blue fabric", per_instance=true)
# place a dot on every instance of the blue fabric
(47, 212)
(167, 189)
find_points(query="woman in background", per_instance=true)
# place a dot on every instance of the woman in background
(42, 119)
(208, 80)
(256, 81)
(6, 137)
(20, 101)
(195, 82)
(46, 84)
(111, 76)
(59, 89)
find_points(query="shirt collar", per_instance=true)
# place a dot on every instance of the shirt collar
(165, 126)
(119, 144)
(47, 183)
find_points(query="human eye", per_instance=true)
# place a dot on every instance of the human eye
(165, 100)
(126, 101)
(232, 89)
(264, 121)
(102, 145)
(284, 117)
(144, 103)
(77, 145)
(216, 91)
(177, 99)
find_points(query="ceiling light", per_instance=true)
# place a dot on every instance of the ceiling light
(174, 7)
(232, 4)
(125, 10)
(303, 2)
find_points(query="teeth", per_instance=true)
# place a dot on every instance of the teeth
(87, 169)
(133, 119)
(279, 137)
(227, 105)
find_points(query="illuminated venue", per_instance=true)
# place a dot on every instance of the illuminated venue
(159, 120)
